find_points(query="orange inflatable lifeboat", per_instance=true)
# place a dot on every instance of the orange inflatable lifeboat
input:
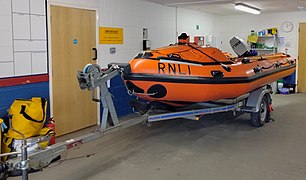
(185, 73)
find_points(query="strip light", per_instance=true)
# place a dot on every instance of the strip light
(247, 8)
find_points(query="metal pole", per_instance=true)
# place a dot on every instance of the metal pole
(24, 153)
(24, 160)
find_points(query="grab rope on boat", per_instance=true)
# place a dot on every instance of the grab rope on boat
(275, 65)
(225, 67)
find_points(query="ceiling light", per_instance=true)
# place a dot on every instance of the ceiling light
(247, 8)
(300, 7)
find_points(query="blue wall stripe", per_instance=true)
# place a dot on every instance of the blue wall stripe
(9, 94)
(27, 91)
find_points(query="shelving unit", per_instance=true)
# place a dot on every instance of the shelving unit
(267, 41)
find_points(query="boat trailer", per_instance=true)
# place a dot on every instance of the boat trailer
(257, 103)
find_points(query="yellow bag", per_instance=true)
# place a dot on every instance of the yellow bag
(1, 121)
(9, 143)
(27, 117)
(6, 146)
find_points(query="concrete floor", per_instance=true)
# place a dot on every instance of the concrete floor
(220, 147)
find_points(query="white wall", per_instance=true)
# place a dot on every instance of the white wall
(241, 26)
(133, 16)
(188, 19)
(77, 3)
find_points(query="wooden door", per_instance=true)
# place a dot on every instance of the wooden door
(73, 33)
(302, 59)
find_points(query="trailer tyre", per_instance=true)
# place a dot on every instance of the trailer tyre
(259, 118)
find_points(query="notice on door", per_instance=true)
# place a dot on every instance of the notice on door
(111, 35)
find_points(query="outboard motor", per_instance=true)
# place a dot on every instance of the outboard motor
(241, 48)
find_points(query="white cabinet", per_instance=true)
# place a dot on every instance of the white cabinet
(6, 54)
(5, 38)
(5, 7)
(23, 38)
(37, 7)
(38, 27)
(6, 69)
(30, 46)
(21, 26)
(39, 63)
(6, 44)
(6, 23)
(22, 63)
(21, 6)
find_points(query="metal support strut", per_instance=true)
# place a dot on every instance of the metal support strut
(92, 77)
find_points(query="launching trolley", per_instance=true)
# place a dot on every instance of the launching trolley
(257, 103)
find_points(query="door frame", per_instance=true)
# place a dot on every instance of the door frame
(48, 8)
(298, 53)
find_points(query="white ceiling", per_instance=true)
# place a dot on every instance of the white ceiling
(226, 7)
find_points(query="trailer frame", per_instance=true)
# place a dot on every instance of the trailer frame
(250, 103)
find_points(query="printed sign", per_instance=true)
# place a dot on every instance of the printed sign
(111, 35)
(75, 41)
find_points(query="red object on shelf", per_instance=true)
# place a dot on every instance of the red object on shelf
(51, 126)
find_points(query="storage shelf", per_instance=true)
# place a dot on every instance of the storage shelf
(266, 36)
(258, 49)
(270, 41)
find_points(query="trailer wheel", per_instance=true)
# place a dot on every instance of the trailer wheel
(259, 118)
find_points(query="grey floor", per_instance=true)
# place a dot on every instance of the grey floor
(220, 147)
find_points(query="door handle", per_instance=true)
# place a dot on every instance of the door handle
(96, 54)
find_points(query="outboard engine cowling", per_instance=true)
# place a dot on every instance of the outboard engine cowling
(240, 47)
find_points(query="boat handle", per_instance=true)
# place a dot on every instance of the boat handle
(144, 94)
(96, 54)
(176, 56)
(217, 74)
